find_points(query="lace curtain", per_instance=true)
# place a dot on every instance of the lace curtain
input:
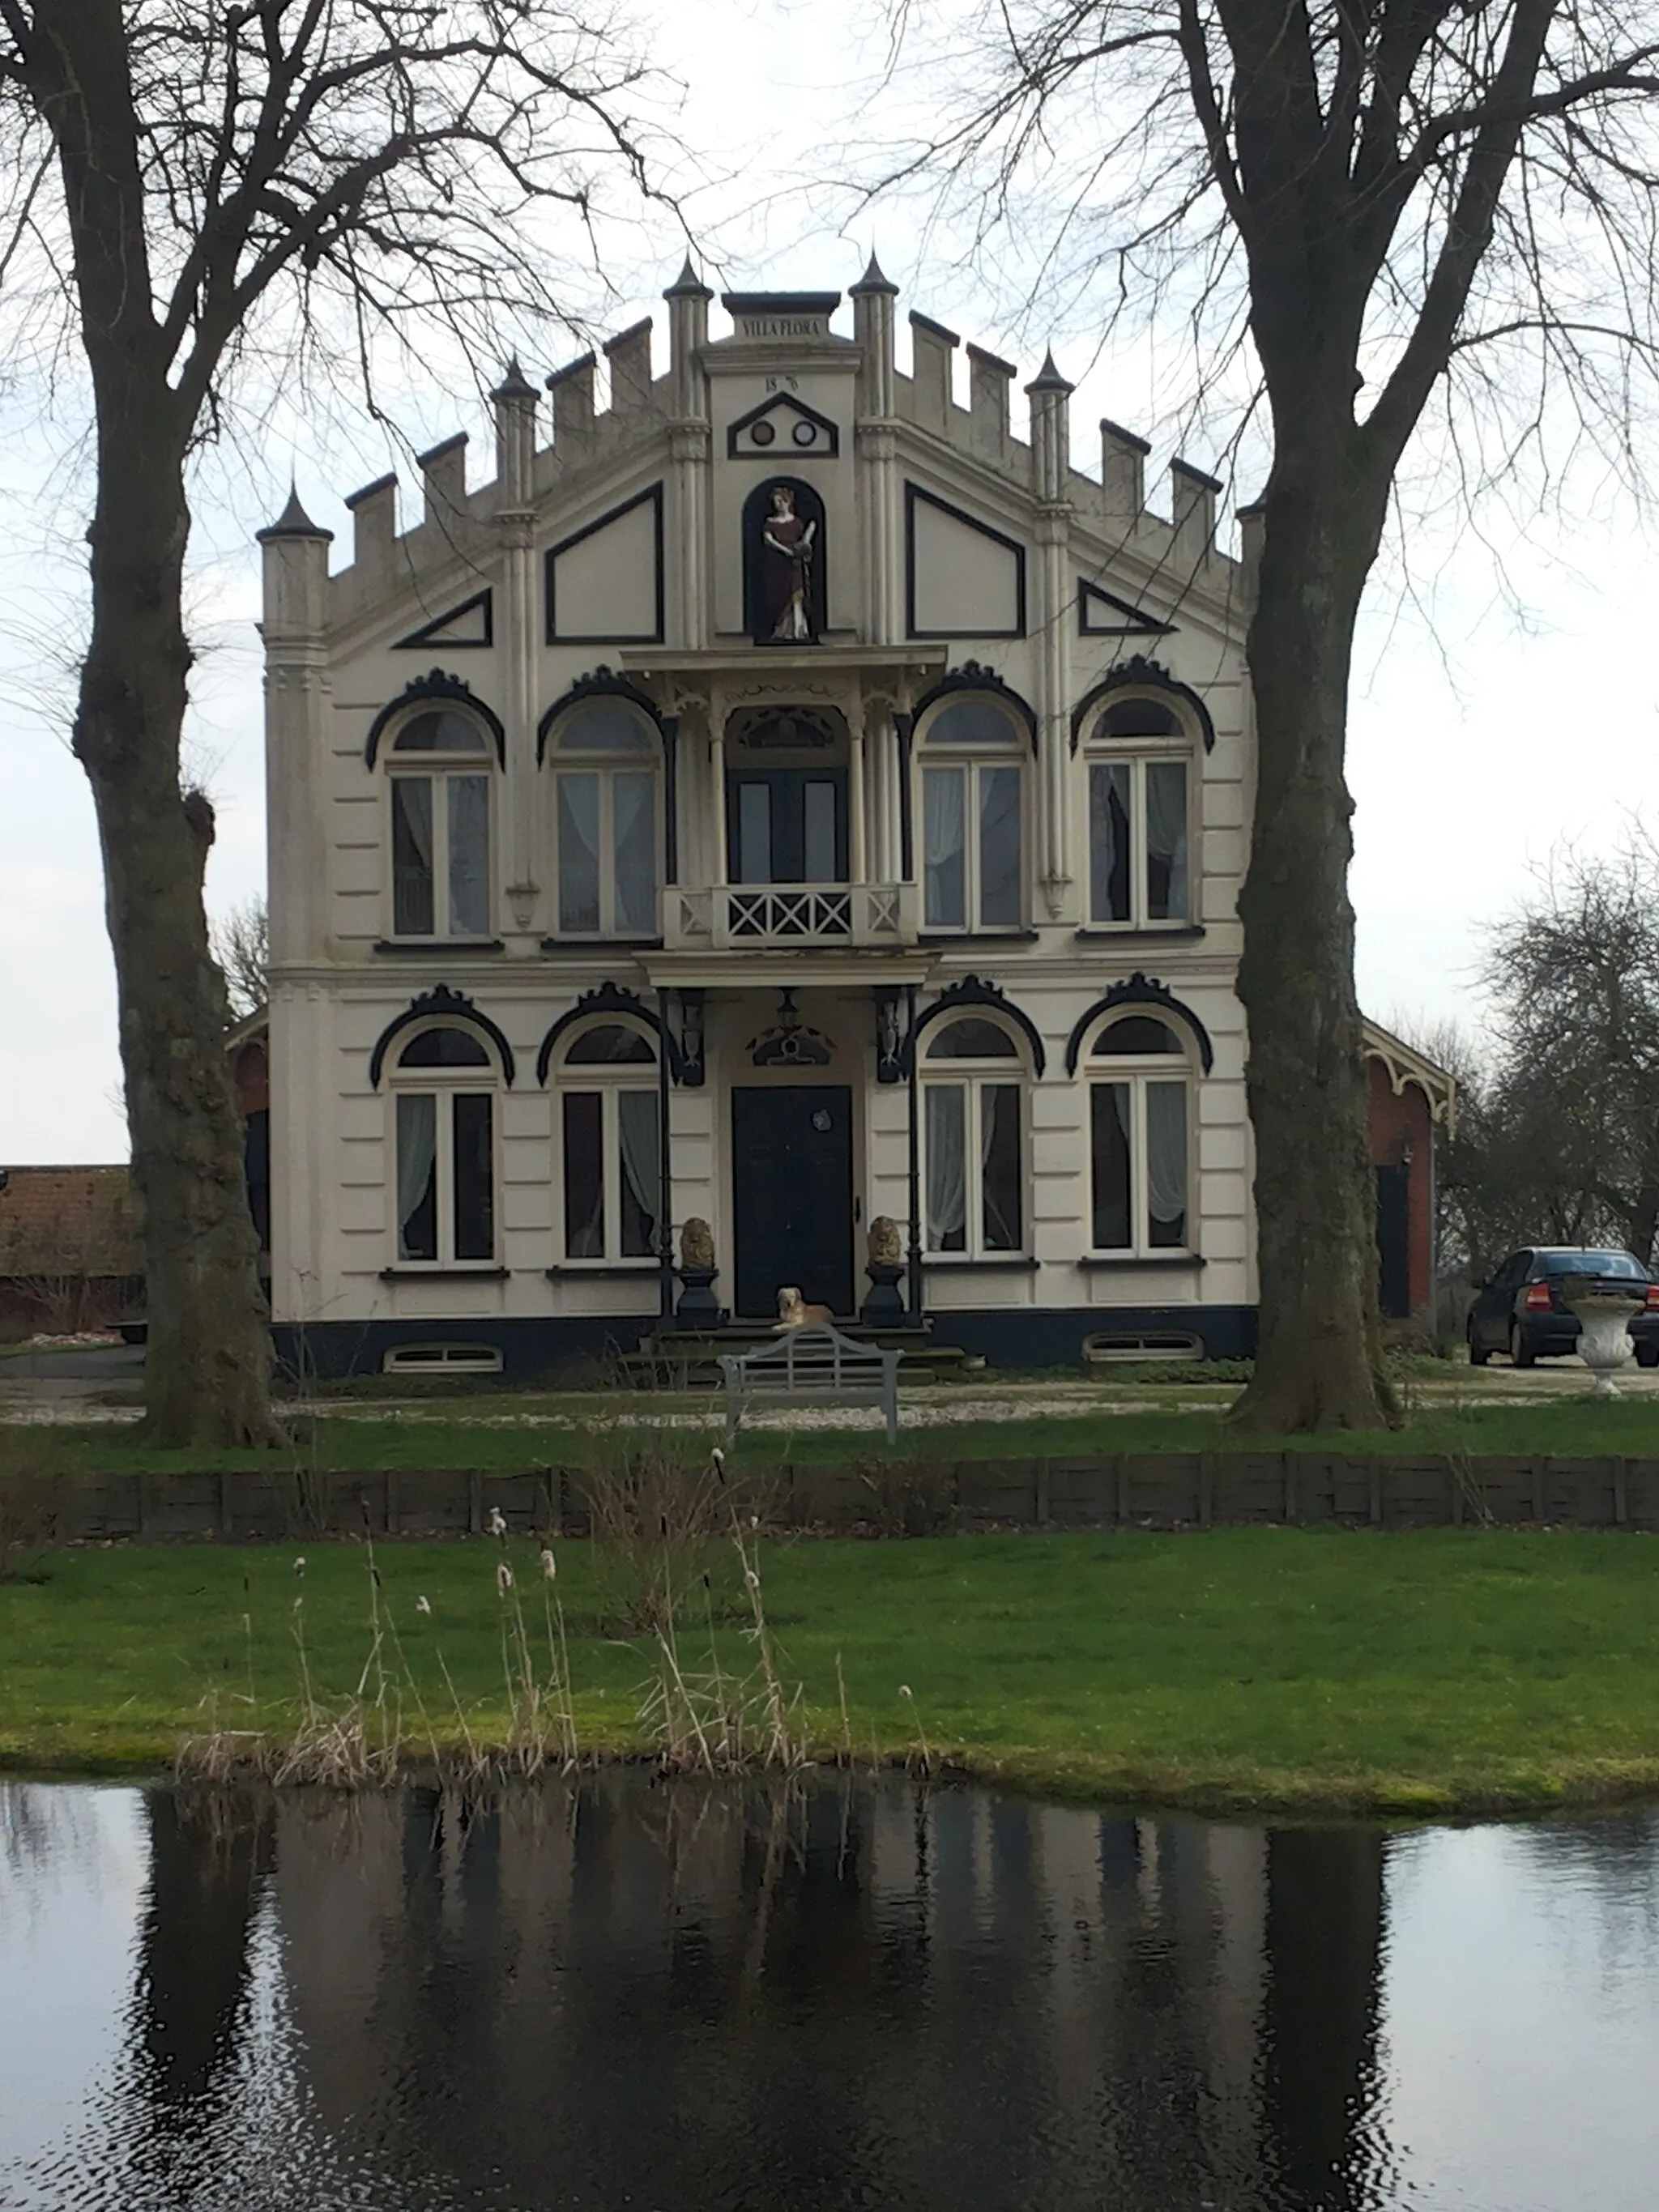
(579, 852)
(642, 1166)
(1166, 840)
(943, 817)
(634, 839)
(411, 855)
(1000, 1181)
(998, 847)
(417, 1153)
(945, 1128)
(1166, 1161)
(1109, 840)
(469, 856)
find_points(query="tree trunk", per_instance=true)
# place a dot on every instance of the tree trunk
(207, 1367)
(1645, 1220)
(1317, 1357)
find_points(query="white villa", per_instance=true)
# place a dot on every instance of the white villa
(786, 798)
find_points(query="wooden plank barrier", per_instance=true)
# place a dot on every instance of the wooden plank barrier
(893, 1495)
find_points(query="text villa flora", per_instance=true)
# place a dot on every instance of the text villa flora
(784, 831)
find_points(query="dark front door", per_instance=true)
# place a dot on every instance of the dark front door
(792, 1180)
(1394, 1249)
(788, 825)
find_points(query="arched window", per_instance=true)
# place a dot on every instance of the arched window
(1140, 792)
(604, 807)
(443, 1105)
(610, 1139)
(439, 772)
(973, 1139)
(1140, 1137)
(972, 751)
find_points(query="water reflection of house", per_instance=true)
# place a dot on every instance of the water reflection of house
(885, 1989)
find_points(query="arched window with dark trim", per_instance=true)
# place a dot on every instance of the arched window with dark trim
(1139, 755)
(975, 1074)
(605, 758)
(609, 1125)
(440, 769)
(973, 752)
(443, 1091)
(1140, 1136)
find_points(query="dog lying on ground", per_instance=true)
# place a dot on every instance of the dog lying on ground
(793, 1312)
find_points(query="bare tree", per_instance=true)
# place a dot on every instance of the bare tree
(1359, 205)
(232, 188)
(242, 945)
(1572, 1117)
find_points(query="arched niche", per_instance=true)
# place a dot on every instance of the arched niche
(784, 510)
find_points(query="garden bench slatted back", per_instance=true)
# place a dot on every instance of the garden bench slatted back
(812, 1364)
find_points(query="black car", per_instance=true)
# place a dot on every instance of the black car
(1521, 1310)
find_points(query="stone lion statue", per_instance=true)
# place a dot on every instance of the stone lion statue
(886, 1244)
(698, 1246)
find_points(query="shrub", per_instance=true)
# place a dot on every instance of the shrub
(28, 1505)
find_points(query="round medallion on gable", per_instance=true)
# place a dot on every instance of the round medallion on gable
(762, 433)
(804, 433)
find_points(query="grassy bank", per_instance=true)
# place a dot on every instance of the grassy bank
(509, 1435)
(1258, 1669)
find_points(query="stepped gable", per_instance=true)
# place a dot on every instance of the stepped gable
(580, 441)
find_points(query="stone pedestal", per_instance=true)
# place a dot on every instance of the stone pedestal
(884, 1308)
(698, 1307)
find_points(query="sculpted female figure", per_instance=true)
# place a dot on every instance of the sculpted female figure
(788, 545)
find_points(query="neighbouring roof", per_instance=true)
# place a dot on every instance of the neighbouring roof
(1402, 1064)
(68, 1221)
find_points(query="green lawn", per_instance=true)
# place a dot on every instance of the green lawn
(467, 1436)
(1245, 1668)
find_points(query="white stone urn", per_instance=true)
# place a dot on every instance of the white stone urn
(1604, 1319)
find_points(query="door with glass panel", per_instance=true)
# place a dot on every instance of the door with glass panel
(786, 825)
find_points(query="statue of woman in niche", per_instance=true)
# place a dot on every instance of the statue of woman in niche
(788, 547)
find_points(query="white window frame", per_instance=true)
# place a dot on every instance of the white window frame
(974, 1076)
(443, 1085)
(610, 1082)
(438, 770)
(1135, 1072)
(1137, 754)
(604, 766)
(969, 760)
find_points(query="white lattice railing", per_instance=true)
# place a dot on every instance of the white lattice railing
(747, 914)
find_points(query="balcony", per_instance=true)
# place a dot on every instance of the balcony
(752, 917)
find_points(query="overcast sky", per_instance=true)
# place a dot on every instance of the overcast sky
(1481, 740)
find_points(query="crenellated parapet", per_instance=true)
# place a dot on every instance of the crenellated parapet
(956, 400)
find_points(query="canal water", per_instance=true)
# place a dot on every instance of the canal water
(860, 1995)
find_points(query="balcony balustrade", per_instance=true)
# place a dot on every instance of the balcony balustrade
(745, 917)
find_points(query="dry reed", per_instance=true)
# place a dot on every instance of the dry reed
(700, 1714)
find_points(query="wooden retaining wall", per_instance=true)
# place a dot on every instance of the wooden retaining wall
(1152, 1489)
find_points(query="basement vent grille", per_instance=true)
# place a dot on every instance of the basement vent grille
(1102, 1350)
(442, 1359)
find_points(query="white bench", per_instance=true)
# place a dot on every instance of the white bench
(813, 1363)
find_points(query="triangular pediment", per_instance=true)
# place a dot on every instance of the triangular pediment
(471, 623)
(1101, 613)
(782, 428)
